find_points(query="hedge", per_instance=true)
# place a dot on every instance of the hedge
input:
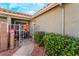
(38, 36)
(57, 44)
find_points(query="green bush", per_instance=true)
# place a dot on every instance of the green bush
(58, 45)
(38, 37)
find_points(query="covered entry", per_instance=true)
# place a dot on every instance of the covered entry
(12, 35)
(18, 27)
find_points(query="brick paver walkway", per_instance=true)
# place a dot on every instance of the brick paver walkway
(26, 48)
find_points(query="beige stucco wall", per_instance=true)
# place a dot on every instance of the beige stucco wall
(49, 21)
(72, 19)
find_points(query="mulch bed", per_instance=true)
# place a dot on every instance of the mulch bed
(9, 52)
(38, 51)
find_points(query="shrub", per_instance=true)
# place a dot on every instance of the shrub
(58, 45)
(38, 36)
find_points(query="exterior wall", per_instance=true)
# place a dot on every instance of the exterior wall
(3, 33)
(72, 19)
(3, 36)
(49, 21)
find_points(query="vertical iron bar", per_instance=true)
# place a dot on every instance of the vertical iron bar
(19, 34)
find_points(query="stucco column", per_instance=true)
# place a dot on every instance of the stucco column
(63, 18)
(9, 20)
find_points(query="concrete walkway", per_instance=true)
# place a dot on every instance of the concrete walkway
(26, 49)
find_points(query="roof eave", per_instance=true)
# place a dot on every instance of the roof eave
(50, 6)
(44, 10)
(10, 14)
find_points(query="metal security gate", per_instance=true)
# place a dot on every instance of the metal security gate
(18, 34)
(11, 36)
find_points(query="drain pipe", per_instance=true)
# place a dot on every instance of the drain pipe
(63, 18)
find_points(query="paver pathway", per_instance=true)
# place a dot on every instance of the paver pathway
(26, 48)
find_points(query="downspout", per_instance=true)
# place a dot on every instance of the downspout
(63, 18)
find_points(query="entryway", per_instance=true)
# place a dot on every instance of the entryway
(18, 31)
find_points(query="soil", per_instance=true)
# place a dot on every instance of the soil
(8, 52)
(38, 51)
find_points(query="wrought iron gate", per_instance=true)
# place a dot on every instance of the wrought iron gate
(5, 35)
(18, 34)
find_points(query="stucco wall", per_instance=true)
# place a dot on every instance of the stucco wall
(3, 36)
(72, 19)
(49, 21)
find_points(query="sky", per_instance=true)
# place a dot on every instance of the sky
(27, 8)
